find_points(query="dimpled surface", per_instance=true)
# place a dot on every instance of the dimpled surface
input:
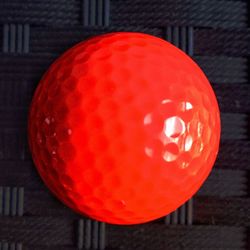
(124, 128)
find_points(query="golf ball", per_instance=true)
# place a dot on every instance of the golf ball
(124, 128)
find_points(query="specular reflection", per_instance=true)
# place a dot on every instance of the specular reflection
(175, 137)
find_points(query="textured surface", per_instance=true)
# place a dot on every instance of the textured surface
(124, 128)
(217, 37)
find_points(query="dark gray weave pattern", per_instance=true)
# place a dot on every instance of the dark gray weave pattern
(33, 33)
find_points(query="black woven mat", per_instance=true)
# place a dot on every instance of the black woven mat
(214, 32)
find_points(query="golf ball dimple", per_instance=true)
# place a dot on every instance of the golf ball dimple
(124, 128)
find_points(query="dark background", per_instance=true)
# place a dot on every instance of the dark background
(214, 32)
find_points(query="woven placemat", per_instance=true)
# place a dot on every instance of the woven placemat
(214, 32)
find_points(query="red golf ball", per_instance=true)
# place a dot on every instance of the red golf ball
(124, 128)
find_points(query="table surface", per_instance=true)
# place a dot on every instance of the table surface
(33, 33)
